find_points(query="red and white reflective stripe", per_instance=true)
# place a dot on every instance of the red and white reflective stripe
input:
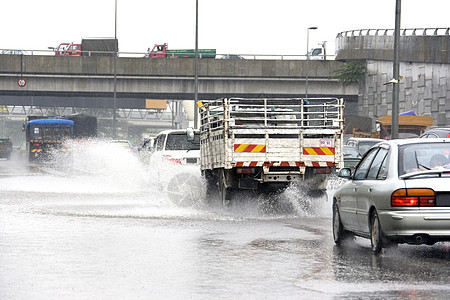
(240, 164)
(322, 164)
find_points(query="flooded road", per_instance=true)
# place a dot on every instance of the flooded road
(107, 229)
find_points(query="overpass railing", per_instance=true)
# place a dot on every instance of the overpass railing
(225, 56)
(405, 32)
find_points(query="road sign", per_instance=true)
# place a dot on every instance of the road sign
(21, 82)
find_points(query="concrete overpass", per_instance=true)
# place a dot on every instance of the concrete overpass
(88, 81)
(424, 66)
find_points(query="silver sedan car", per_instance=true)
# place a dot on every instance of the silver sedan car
(399, 193)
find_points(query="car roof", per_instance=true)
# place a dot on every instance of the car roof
(439, 128)
(401, 142)
(364, 139)
(176, 131)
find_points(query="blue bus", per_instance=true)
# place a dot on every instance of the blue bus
(46, 137)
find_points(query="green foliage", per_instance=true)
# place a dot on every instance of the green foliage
(350, 73)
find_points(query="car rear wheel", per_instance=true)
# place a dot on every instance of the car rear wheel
(185, 190)
(339, 234)
(376, 235)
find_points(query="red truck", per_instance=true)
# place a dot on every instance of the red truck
(88, 47)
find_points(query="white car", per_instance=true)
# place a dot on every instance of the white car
(177, 147)
(399, 193)
(176, 159)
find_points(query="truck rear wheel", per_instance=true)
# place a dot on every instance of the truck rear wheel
(225, 192)
(212, 188)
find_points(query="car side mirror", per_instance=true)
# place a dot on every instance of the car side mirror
(190, 134)
(345, 173)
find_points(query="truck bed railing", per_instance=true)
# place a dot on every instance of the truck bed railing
(274, 113)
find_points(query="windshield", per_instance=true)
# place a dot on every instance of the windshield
(50, 132)
(180, 142)
(421, 157)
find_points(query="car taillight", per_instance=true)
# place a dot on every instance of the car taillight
(413, 198)
(170, 159)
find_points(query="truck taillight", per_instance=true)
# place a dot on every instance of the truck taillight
(246, 170)
(325, 170)
(413, 198)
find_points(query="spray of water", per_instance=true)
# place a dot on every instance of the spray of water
(98, 173)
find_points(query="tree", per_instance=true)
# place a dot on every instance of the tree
(350, 73)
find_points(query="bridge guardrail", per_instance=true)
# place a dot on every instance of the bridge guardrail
(404, 32)
(142, 55)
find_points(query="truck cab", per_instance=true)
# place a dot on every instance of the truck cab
(158, 51)
(317, 54)
(68, 49)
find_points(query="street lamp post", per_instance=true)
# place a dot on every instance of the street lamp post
(196, 66)
(114, 121)
(307, 58)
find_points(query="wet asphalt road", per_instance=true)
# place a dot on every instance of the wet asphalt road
(108, 230)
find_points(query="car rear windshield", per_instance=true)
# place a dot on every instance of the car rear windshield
(424, 156)
(180, 142)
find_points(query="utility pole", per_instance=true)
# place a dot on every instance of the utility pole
(396, 72)
(196, 66)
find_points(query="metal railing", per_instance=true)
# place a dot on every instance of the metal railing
(432, 31)
(224, 56)
(272, 113)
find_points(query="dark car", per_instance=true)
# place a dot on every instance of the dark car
(436, 133)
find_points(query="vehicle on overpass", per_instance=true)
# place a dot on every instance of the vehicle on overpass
(163, 51)
(47, 137)
(264, 144)
(88, 47)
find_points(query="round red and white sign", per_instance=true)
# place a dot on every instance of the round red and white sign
(21, 82)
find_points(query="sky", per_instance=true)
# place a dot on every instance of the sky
(231, 26)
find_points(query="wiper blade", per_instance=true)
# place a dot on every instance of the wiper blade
(427, 172)
(419, 164)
